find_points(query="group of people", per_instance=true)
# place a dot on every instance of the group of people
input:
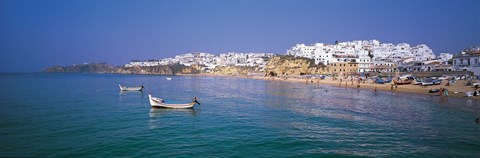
(443, 92)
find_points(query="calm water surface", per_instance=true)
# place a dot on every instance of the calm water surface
(78, 115)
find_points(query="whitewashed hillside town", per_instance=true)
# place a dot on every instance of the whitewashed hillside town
(210, 61)
(369, 56)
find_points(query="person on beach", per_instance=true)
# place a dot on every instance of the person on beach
(446, 93)
(375, 89)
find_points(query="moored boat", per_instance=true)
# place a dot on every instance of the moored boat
(427, 82)
(379, 81)
(433, 90)
(468, 94)
(417, 81)
(125, 88)
(388, 80)
(402, 82)
(160, 103)
(168, 78)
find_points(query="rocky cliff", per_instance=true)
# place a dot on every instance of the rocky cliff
(84, 68)
(106, 68)
(276, 66)
(290, 65)
(234, 70)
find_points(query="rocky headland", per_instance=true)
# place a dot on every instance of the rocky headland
(290, 65)
(276, 66)
(107, 68)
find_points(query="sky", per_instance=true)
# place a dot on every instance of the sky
(35, 34)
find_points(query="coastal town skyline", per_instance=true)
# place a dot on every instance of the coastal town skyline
(38, 34)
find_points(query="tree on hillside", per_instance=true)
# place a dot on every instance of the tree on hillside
(370, 54)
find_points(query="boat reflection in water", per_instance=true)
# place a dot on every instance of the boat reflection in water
(156, 115)
(157, 112)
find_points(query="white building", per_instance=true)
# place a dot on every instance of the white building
(366, 53)
(444, 57)
(150, 62)
(466, 61)
(210, 61)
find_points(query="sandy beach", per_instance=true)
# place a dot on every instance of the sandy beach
(456, 90)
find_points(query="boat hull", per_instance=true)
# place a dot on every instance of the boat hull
(427, 83)
(402, 82)
(158, 103)
(124, 88)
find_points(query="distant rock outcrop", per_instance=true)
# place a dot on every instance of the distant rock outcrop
(106, 68)
(84, 68)
(290, 65)
(276, 66)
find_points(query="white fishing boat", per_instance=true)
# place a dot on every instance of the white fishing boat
(160, 103)
(417, 82)
(468, 94)
(427, 82)
(125, 88)
(168, 78)
(443, 77)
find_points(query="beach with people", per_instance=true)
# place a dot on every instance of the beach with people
(458, 90)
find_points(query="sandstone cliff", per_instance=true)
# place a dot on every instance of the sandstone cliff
(290, 65)
(276, 66)
(234, 70)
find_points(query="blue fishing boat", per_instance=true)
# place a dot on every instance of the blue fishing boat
(379, 81)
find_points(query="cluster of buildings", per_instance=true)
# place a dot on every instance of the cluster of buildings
(209, 61)
(342, 58)
(373, 56)
(467, 60)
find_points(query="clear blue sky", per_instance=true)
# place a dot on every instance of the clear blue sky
(35, 34)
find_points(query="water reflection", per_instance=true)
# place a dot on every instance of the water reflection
(130, 92)
(127, 96)
(157, 112)
(164, 113)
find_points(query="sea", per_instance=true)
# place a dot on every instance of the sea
(86, 115)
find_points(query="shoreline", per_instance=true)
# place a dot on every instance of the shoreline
(459, 86)
(410, 88)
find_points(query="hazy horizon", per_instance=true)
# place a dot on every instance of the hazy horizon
(38, 34)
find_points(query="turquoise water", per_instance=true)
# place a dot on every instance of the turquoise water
(78, 115)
